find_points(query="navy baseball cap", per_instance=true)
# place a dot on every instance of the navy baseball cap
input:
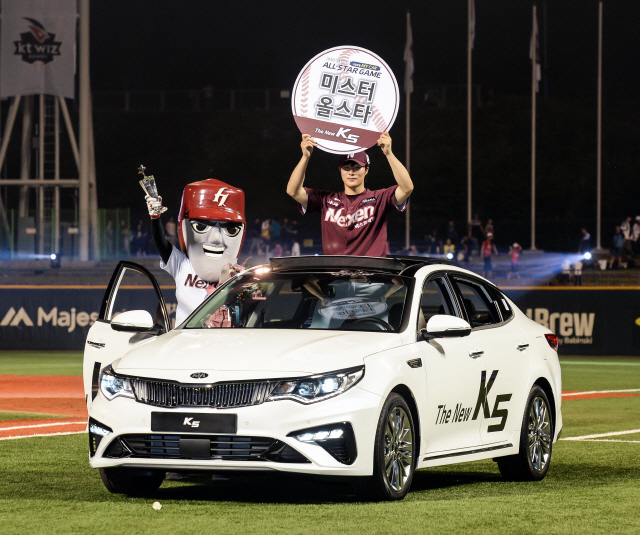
(361, 158)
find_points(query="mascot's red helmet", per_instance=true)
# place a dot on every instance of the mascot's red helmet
(211, 200)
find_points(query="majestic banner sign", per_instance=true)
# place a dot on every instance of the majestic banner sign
(37, 47)
(587, 322)
(345, 98)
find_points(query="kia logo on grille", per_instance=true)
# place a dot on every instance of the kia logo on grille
(199, 375)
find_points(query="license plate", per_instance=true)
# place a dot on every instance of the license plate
(185, 422)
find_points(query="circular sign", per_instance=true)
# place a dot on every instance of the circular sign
(345, 98)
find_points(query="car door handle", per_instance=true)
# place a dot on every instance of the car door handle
(98, 345)
(522, 347)
(475, 353)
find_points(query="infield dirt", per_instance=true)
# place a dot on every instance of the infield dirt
(46, 394)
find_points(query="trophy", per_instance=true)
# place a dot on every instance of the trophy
(148, 184)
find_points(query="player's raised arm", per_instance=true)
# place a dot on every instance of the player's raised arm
(294, 187)
(400, 173)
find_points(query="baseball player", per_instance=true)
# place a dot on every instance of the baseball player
(354, 221)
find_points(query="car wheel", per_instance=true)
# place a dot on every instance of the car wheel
(131, 482)
(393, 454)
(536, 441)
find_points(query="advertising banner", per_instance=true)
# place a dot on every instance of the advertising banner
(59, 318)
(37, 47)
(586, 321)
(344, 98)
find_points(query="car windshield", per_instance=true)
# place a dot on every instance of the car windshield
(345, 300)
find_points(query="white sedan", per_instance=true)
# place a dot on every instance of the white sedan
(362, 368)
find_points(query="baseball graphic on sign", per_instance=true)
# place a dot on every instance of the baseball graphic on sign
(345, 97)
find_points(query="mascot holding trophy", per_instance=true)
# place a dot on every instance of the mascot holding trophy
(211, 230)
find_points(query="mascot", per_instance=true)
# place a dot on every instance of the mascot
(211, 231)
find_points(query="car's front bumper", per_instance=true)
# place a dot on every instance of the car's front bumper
(275, 420)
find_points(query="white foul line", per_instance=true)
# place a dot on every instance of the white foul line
(39, 425)
(615, 433)
(43, 435)
(564, 395)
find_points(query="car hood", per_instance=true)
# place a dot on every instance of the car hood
(234, 354)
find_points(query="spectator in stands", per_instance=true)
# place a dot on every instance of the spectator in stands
(449, 249)
(616, 247)
(465, 249)
(488, 249)
(434, 245)
(577, 273)
(585, 242)
(514, 254)
(451, 233)
(635, 235)
(108, 236)
(275, 229)
(265, 234)
(625, 227)
(488, 228)
(476, 232)
(125, 236)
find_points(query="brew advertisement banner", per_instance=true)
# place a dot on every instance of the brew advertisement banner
(344, 98)
(38, 47)
(587, 322)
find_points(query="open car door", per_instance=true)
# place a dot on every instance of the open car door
(132, 290)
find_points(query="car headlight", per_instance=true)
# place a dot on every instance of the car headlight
(317, 387)
(112, 386)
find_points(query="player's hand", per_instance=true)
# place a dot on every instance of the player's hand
(307, 145)
(154, 205)
(384, 142)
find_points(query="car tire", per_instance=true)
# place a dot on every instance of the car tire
(132, 482)
(394, 457)
(532, 462)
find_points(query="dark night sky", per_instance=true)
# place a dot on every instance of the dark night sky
(241, 44)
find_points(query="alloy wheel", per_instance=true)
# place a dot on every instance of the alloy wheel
(398, 448)
(539, 434)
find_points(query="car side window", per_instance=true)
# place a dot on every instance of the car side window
(502, 304)
(482, 309)
(434, 300)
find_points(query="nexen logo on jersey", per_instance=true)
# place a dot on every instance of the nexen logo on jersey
(360, 218)
(195, 282)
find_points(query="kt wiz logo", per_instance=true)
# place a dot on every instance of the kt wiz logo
(37, 44)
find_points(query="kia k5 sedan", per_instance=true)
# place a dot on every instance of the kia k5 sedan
(366, 369)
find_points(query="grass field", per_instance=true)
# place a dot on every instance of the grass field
(592, 486)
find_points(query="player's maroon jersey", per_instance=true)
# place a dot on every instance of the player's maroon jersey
(357, 227)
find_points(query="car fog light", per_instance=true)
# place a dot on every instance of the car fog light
(97, 430)
(336, 439)
(450, 256)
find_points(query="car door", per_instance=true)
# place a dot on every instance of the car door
(132, 287)
(502, 349)
(452, 377)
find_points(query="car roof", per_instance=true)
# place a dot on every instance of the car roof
(394, 264)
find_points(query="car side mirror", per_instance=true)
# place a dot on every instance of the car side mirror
(133, 321)
(443, 326)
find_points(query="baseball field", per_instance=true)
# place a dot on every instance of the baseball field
(46, 485)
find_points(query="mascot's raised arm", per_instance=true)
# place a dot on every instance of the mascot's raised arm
(211, 230)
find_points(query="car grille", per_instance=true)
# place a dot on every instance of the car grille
(217, 396)
(222, 447)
